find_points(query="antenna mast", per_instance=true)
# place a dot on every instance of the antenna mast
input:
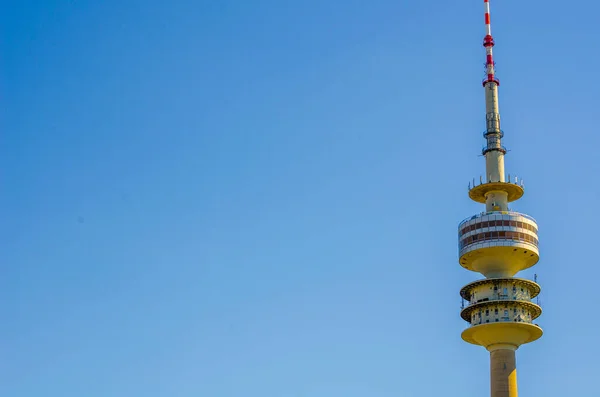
(493, 151)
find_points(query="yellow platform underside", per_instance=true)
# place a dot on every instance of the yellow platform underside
(508, 333)
(500, 261)
(479, 192)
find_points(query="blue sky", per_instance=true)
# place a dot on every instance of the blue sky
(260, 198)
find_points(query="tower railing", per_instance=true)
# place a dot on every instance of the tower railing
(513, 213)
(522, 297)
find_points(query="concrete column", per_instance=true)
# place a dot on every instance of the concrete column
(503, 372)
(491, 105)
(496, 201)
(494, 160)
(494, 167)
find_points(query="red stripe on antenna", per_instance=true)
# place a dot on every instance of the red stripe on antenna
(487, 18)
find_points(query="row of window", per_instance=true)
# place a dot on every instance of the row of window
(497, 295)
(519, 315)
(481, 237)
(505, 289)
(480, 225)
(487, 312)
(504, 319)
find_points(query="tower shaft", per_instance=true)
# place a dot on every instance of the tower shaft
(503, 373)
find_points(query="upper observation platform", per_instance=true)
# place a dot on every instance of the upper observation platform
(479, 192)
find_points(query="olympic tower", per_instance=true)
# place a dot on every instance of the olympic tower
(498, 243)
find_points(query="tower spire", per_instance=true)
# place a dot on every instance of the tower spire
(493, 151)
(488, 42)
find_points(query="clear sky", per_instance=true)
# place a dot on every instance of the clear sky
(260, 198)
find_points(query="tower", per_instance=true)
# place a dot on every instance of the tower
(498, 243)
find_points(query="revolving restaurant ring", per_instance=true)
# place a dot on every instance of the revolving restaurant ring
(503, 231)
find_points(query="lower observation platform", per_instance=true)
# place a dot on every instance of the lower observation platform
(514, 334)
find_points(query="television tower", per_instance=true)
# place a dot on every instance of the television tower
(498, 243)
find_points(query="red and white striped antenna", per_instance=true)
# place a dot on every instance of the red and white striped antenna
(488, 43)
